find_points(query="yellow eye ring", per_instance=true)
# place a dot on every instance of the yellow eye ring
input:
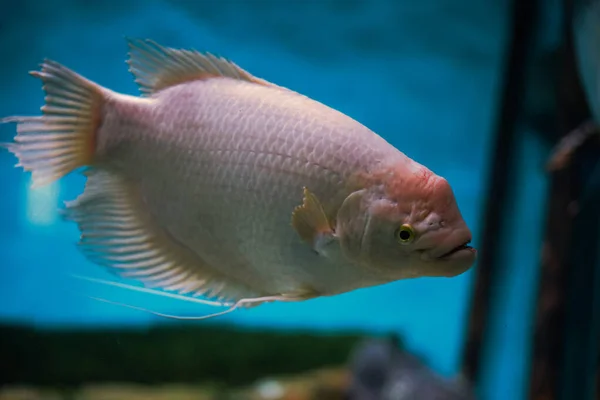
(405, 234)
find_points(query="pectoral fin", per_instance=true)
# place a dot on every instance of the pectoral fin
(312, 225)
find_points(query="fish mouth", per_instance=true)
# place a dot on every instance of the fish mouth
(459, 248)
(455, 248)
(453, 257)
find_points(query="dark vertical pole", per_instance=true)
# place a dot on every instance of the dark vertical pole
(582, 317)
(564, 354)
(597, 396)
(549, 322)
(523, 25)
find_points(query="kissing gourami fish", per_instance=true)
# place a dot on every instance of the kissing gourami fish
(220, 184)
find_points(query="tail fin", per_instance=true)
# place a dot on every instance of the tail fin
(64, 137)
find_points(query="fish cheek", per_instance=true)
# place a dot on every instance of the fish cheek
(365, 232)
(380, 245)
(383, 251)
(351, 222)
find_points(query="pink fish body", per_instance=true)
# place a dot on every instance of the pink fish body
(221, 184)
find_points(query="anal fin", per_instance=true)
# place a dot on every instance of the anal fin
(118, 233)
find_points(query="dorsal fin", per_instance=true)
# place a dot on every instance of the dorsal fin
(156, 67)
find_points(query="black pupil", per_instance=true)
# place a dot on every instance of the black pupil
(404, 234)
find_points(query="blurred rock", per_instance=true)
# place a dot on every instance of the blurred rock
(380, 370)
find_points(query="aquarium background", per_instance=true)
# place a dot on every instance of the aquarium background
(426, 75)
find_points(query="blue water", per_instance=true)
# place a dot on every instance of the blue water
(425, 75)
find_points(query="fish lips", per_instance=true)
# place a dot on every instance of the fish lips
(454, 251)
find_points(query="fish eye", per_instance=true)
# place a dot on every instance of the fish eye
(405, 234)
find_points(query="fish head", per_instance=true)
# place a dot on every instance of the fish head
(407, 224)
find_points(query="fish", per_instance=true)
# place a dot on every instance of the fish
(218, 184)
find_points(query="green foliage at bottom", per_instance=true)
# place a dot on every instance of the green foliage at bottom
(175, 353)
